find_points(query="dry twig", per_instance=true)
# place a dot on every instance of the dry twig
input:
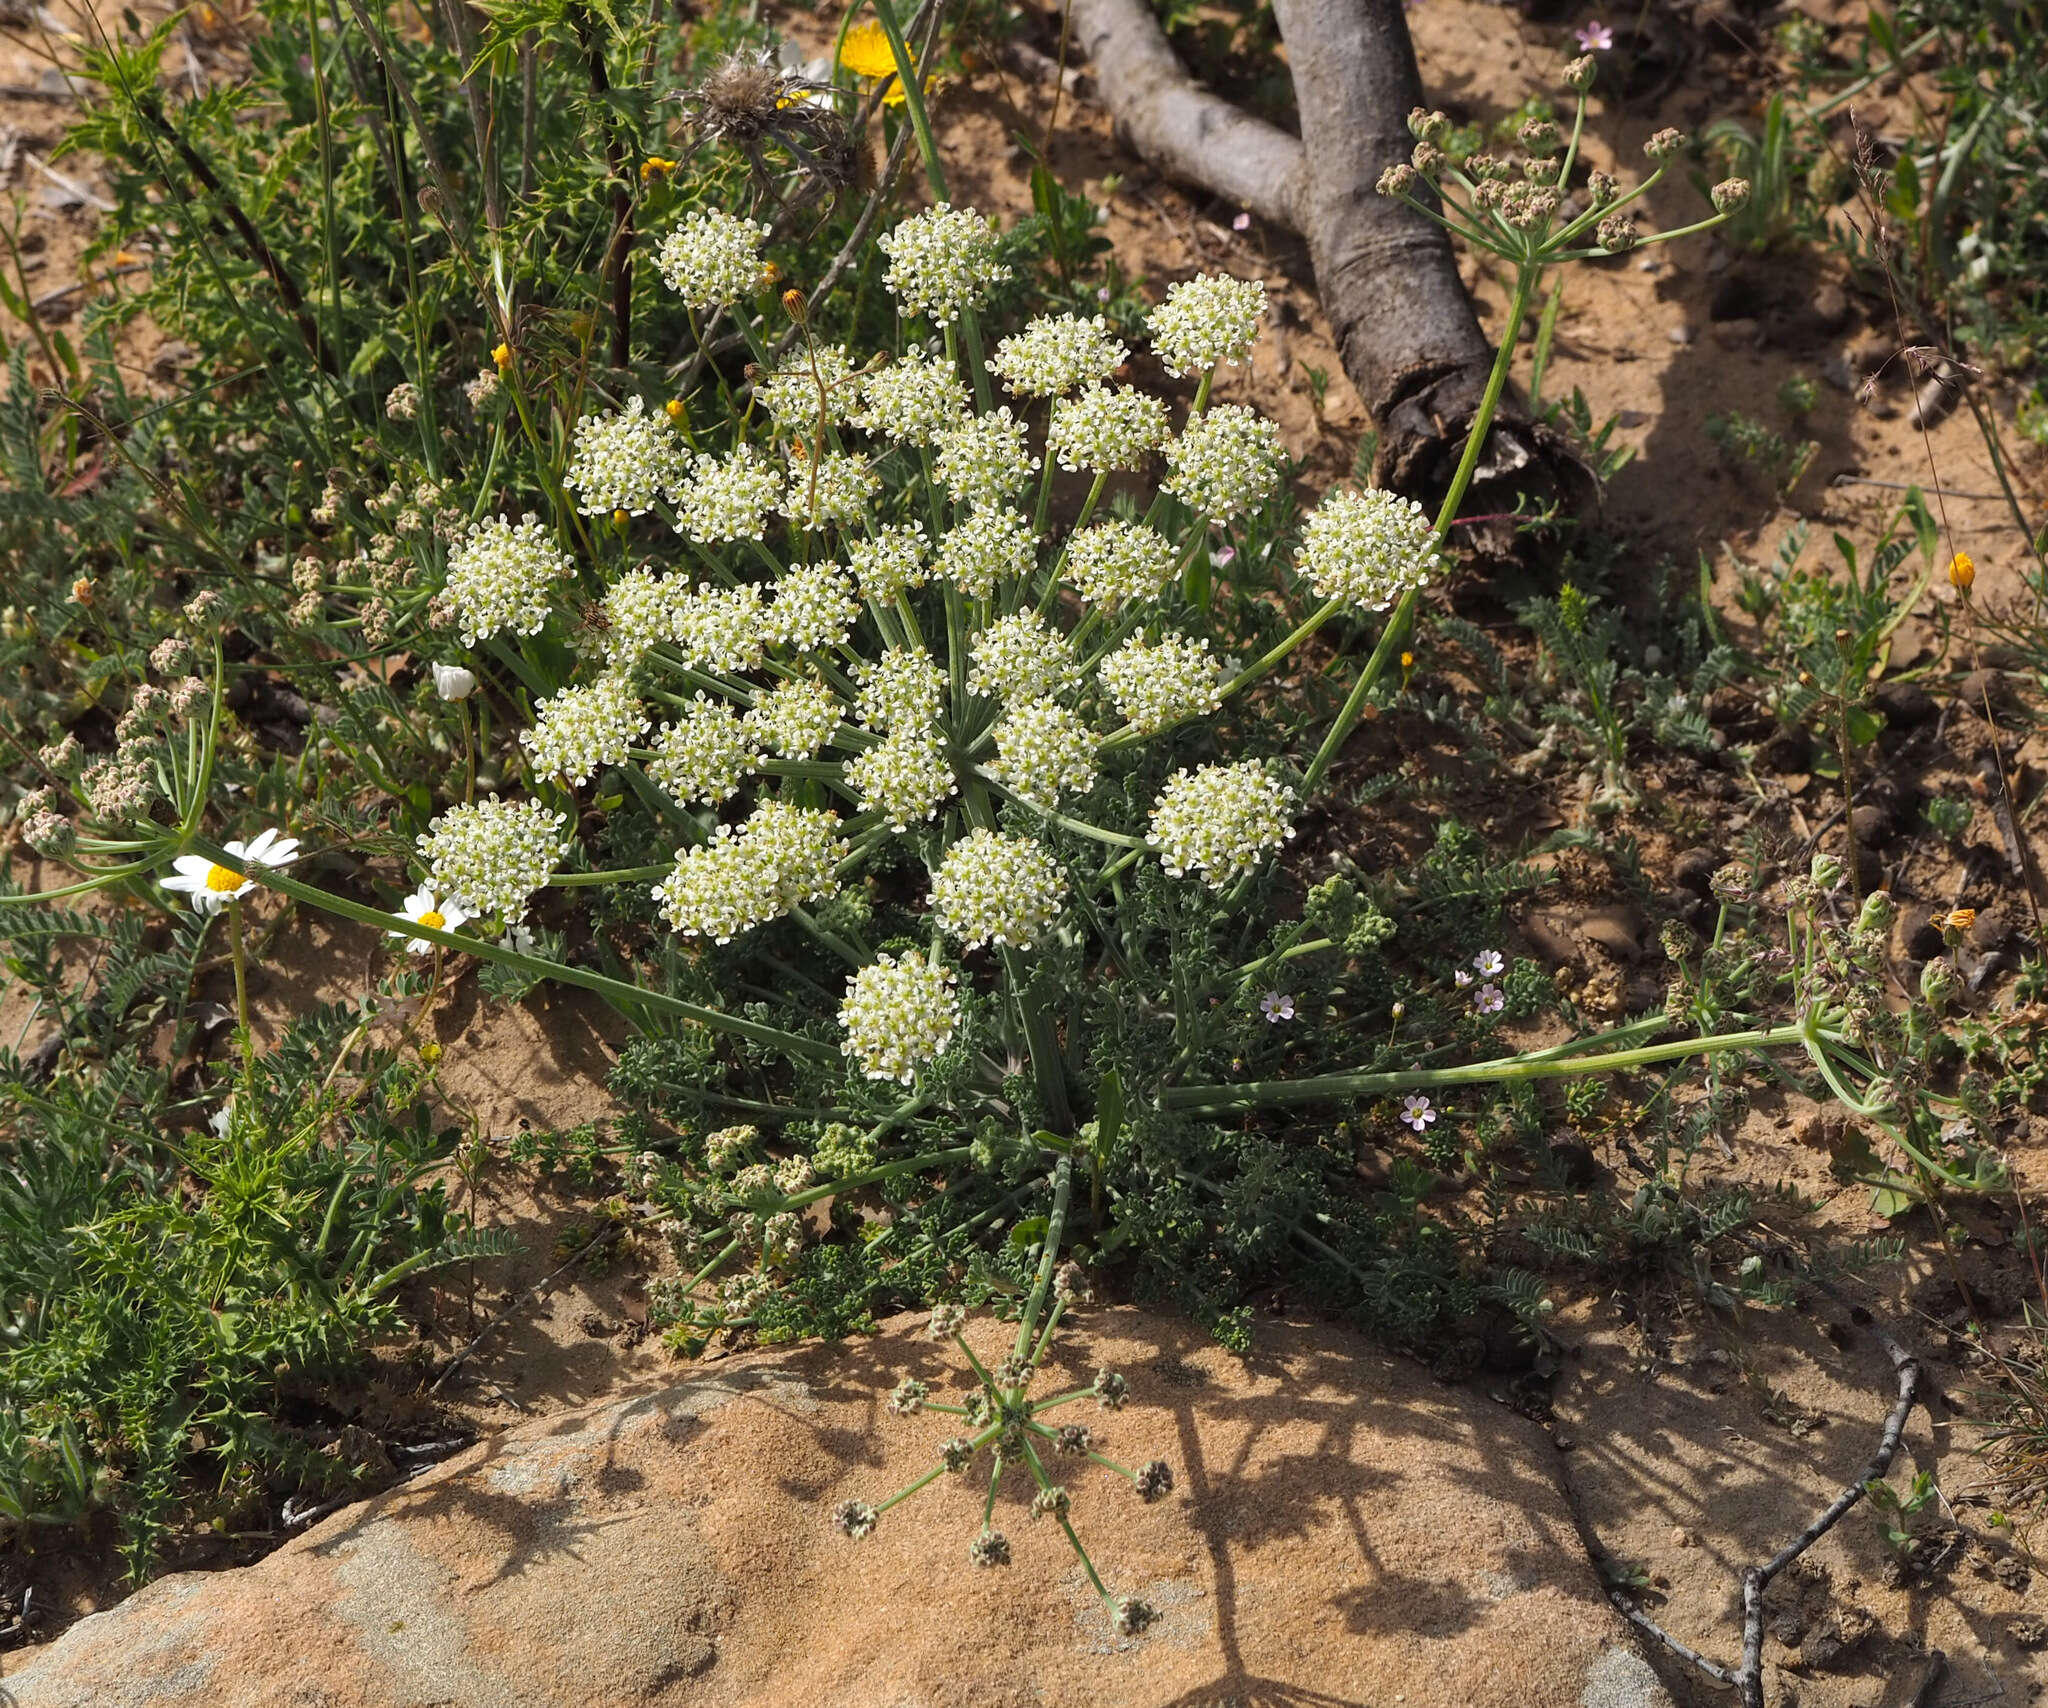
(1749, 1676)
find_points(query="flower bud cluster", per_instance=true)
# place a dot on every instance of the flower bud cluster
(899, 1012)
(783, 856)
(942, 261)
(502, 575)
(1057, 354)
(1220, 821)
(624, 461)
(490, 857)
(583, 730)
(1019, 658)
(991, 888)
(705, 754)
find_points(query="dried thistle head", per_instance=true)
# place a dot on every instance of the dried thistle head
(749, 103)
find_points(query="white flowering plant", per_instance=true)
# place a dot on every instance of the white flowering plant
(911, 722)
(888, 708)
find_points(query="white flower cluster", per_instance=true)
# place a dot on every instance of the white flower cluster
(1044, 751)
(1057, 354)
(1115, 561)
(913, 400)
(796, 717)
(1020, 657)
(782, 857)
(582, 730)
(490, 857)
(721, 628)
(985, 459)
(899, 1013)
(623, 461)
(1225, 462)
(791, 393)
(712, 259)
(991, 888)
(891, 562)
(1368, 548)
(901, 690)
(814, 608)
(1220, 821)
(1208, 319)
(639, 611)
(1104, 429)
(942, 261)
(727, 498)
(1156, 687)
(502, 576)
(904, 777)
(990, 547)
(705, 754)
(838, 494)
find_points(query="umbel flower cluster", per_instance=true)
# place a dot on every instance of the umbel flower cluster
(868, 631)
(1528, 206)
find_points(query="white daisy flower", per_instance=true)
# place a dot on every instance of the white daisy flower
(212, 886)
(423, 907)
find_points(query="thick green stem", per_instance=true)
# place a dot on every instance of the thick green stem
(1526, 280)
(242, 995)
(1055, 1231)
(1547, 1064)
(613, 990)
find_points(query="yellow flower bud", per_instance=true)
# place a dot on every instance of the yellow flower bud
(502, 355)
(676, 410)
(1961, 572)
(795, 307)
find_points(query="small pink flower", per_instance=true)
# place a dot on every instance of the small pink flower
(1243, 222)
(1276, 1006)
(1488, 999)
(1223, 556)
(1489, 963)
(1416, 1112)
(1595, 37)
(1462, 978)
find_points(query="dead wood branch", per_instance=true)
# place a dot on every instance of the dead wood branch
(1177, 125)
(1749, 1676)
(1409, 338)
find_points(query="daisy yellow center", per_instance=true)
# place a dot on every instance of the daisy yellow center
(434, 921)
(221, 879)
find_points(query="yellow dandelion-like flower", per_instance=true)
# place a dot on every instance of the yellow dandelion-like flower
(654, 166)
(894, 98)
(1961, 572)
(502, 355)
(865, 52)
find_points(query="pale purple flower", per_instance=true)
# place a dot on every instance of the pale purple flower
(1243, 222)
(1488, 999)
(1276, 1006)
(1417, 1112)
(1462, 978)
(1595, 37)
(1489, 963)
(1223, 556)
(1102, 293)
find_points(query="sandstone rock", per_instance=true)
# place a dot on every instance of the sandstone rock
(1342, 1528)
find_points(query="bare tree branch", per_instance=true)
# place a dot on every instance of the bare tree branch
(1749, 1676)
(1388, 280)
(1176, 124)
